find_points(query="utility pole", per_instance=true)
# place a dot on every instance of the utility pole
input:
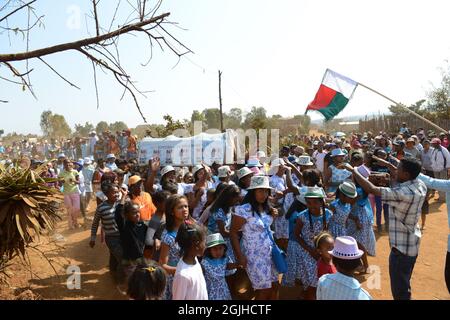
(220, 100)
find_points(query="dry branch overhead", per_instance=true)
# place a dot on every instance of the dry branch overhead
(80, 43)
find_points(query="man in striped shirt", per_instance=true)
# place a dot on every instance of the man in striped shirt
(106, 214)
(405, 203)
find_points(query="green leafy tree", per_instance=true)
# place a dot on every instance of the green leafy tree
(118, 126)
(59, 126)
(46, 122)
(171, 126)
(54, 125)
(256, 118)
(101, 127)
(83, 130)
(304, 123)
(212, 118)
(233, 118)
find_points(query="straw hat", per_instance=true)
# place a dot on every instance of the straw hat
(244, 172)
(349, 189)
(214, 239)
(224, 171)
(305, 161)
(346, 248)
(259, 182)
(133, 180)
(166, 170)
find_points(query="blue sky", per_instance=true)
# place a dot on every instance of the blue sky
(272, 54)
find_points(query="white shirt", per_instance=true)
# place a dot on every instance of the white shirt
(189, 282)
(320, 158)
(437, 159)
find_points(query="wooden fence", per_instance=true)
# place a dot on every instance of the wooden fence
(392, 124)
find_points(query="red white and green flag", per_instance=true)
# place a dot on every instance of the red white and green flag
(334, 93)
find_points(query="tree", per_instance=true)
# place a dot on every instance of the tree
(118, 126)
(439, 97)
(170, 127)
(101, 50)
(233, 118)
(83, 130)
(304, 123)
(46, 122)
(212, 118)
(54, 125)
(60, 128)
(101, 127)
(1, 132)
(197, 116)
(256, 118)
(399, 110)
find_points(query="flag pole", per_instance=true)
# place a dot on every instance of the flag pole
(405, 108)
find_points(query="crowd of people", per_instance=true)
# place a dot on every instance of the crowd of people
(186, 233)
(122, 144)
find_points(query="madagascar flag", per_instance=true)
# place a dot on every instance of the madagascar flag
(333, 95)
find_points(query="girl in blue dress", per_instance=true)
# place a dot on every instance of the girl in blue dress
(360, 227)
(345, 196)
(310, 223)
(254, 219)
(177, 211)
(220, 218)
(214, 264)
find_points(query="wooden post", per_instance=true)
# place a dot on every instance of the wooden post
(410, 111)
(220, 101)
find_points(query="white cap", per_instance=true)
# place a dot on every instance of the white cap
(224, 171)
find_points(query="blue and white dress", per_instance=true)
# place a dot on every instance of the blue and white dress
(168, 237)
(257, 247)
(281, 224)
(293, 254)
(337, 177)
(339, 218)
(213, 227)
(363, 211)
(308, 265)
(214, 272)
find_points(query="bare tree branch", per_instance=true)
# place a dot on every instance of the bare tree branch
(76, 45)
(95, 83)
(21, 76)
(14, 11)
(95, 2)
(73, 85)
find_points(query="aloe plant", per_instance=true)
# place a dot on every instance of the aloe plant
(27, 208)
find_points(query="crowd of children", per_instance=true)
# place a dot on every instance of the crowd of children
(189, 236)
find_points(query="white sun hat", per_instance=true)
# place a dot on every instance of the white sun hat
(215, 239)
(305, 161)
(197, 168)
(244, 172)
(224, 171)
(253, 162)
(166, 170)
(259, 182)
(346, 248)
(275, 165)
